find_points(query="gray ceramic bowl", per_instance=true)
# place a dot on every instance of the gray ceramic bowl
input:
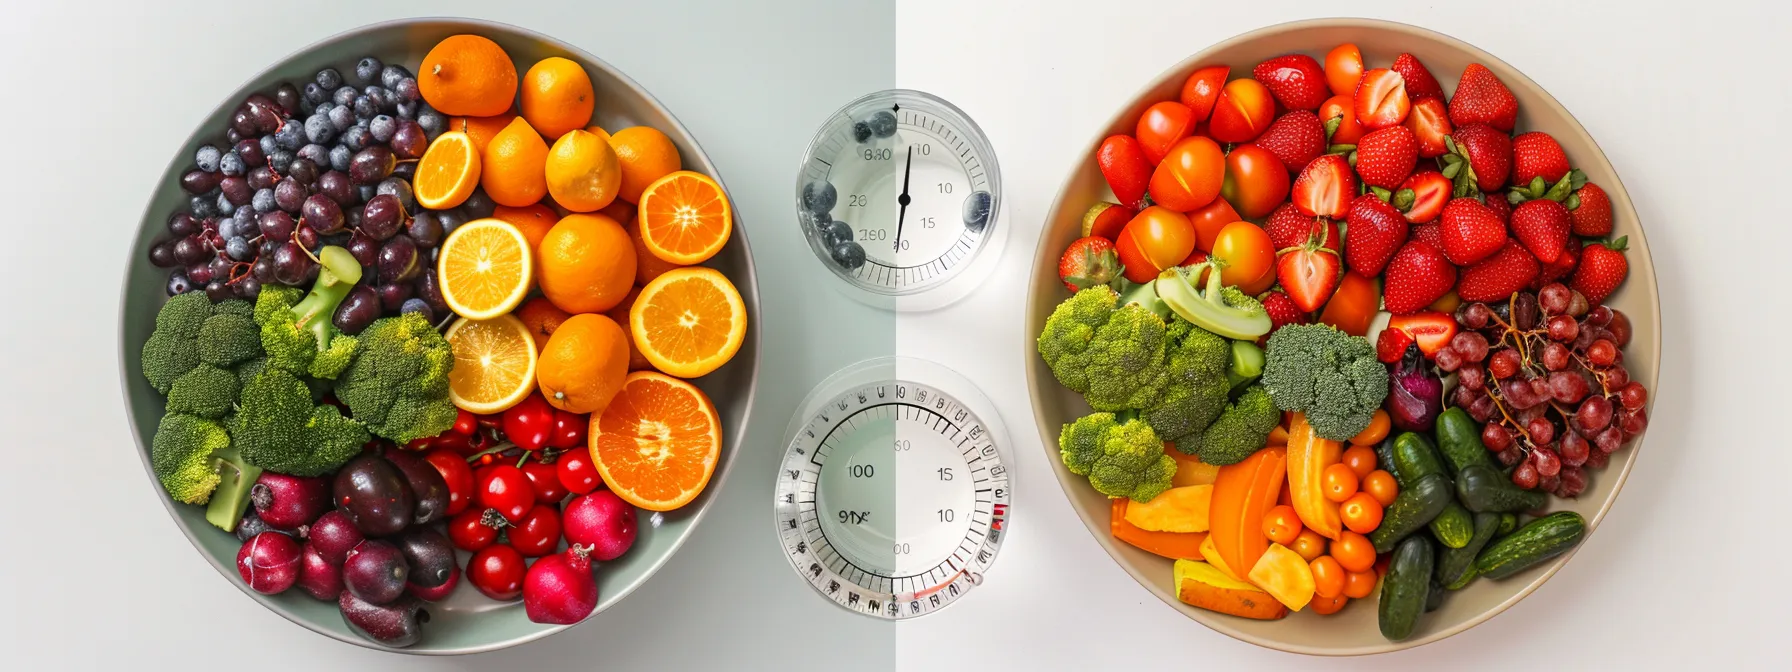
(1352, 631)
(467, 622)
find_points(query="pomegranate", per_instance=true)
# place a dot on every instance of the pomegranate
(560, 588)
(269, 563)
(286, 502)
(318, 577)
(602, 522)
(333, 534)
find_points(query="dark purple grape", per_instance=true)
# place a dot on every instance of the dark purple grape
(178, 283)
(375, 571)
(161, 255)
(261, 177)
(291, 266)
(392, 296)
(182, 224)
(409, 141)
(221, 268)
(322, 214)
(263, 269)
(306, 237)
(406, 171)
(232, 136)
(478, 205)
(200, 274)
(337, 186)
(250, 151)
(188, 250)
(237, 190)
(304, 170)
(357, 310)
(426, 229)
(199, 181)
(287, 97)
(431, 291)
(247, 287)
(365, 250)
(242, 122)
(398, 260)
(372, 164)
(450, 219)
(276, 225)
(380, 219)
(289, 194)
(399, 189)
(218, 292)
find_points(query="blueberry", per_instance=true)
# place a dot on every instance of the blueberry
(239, 249)
(344, 96)
(268, 145)
(392, 74)
(382, 97)
(207, 157)
(227, 228)
(407, 90)
(178, 284)
(976, 211)
(316, 93)
(342, 118)
(263, 201)
(368, 69)
(382, 127)
(849, 255)
(324, 108)
(232, 136)
(290, 136)
(319, 131)
(407, 109)
(281, 159)
(340, 156)
(232, 164)
(433, 122)
(861, 131)
(419, 306)
(883, 124)
(316, 153)
(356, 137)
(836, 232)
(364, 107)
(329, 78)
(225, 207)
(819, 196)
(367, 192)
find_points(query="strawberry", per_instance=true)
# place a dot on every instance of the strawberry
(1430, 233)
(1287, 227)
(1430, 329)
(1602, 268)
(1430, 124)
(1296, 138)
(1590, 212)
(1497, 277)
(1296, 81)
(1391, 344)
(1482, 99)
(1325, 187)
(1429, 190)
(1416, 276)
(1381, 99)
(1309, 274)
(1088, 262)
(1470, 231)
(1542, 226)
(1384, 158)
(1480, 158)
(1377, 231)
(1500, 206)
(1420, 85)
(1536, 154)
(1282, 311)
(1561, 268)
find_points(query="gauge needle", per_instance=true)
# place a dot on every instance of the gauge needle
(907, 165)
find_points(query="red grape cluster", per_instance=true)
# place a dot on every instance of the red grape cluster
(1545, 375)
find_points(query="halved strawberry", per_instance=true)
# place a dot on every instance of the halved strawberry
(1590, 210)
(1381, 99)
(1430, 124)
(1309, 273)
(1481, 98)
(1420, 85)
(1296, 138)
(1296, 81)
(1429, 191)
(1377, 231)
(1386, 157)
(1470, 231)
(1542, 226)
(1287, 227)
(1416, 276)
(1325, 187)
(1480, 158)
(1088, 262)
(1536, 154)
(1497, 277)
(1430, 329)
(1602, 269)
(1391, 344)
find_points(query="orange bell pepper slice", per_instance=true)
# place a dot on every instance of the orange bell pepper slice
(1308, 456)
(1242, 493)
(1172, 545)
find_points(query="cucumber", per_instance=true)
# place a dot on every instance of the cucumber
(1414, 458)
(1454, 563)
(1434, 597)
(1508, 523)
(1538, 540)
(1468, 577)
(1459, 439)
(1481, 488)
(1411, 511)
(1406, 588)
(1384, 459)
(1454, 526)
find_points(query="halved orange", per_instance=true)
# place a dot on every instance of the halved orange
(485, 268)
(688, 322)
(448, 172)
(494, 364)
(657, 443)
(685, 218)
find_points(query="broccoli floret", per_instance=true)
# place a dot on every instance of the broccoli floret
(207, 391)
(295, 335)
(1065, 340)
(278, 427)
(1125, 361)
(1223, 310)
(1196, 388)
(398, 384)
(228, 338)
(1329, 375)
(182, 455)
(1121, 459)
(1242, 429)
(171, 350)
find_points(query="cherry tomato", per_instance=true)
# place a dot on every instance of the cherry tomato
(1256, 181)
(1249, 257)
(1377, 430)
(1354, 551)
(420, 444)
(465, 445)
(456, 474)
(1326, 606)
(1202, 88)
(1342, 106)
(1154, 240)
(569, 430)
(529, 423)
(1309, 545)
(493, 421)
(1343, 68)
(505, 488)
(1281, 525)
(497, 571)
(465, 423)
(1381, 486)
(1208, 221)
(544, 479)
(1358, 585)
(1361, 460)
(538, 533)
(1338, 482)
(1361, 513)
(1328, 576)
(468, 531)
(1161, 125)
(1190, 175)
(1242, 112)
(577, 473)
(1123, 165)
(1353, 306)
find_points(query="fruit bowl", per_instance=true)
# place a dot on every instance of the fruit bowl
(466, 622)
(1353, 631)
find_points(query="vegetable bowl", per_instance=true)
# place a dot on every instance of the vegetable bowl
(367, 189)
(1441, 337)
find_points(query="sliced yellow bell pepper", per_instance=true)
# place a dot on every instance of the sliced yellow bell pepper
(1308, 456)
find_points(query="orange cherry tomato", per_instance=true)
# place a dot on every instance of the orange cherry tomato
(1326, 606)
(1209, 220)
(1256, 181)
(1281, 525)
(1379, 423)
(1381, 486)
(1358, 585)
(1342, 105)
(1156, 238)
(1247, 252)
(1202, 88)
(1338, 482)
(1328, 576)
(1354, 551)
(1361, 460)
(1361, 513)
(1343, 68)
(1190, 175)
(1309, 545)
(1161, 125)
(1242, 112)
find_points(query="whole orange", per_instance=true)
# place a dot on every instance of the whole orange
(581, 171)
(542, 317)
(587, 264)
(467, 75)
(647, 266)
(584, 364)
(557, 96)
(620, 210)
(481, 129)
(645, 155)
(636, 360)
(513, 170)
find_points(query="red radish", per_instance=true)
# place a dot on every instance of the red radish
(560, 588)
(318, 577)
(333, 535)
(286, 502)
(601, 521)
(270, 562)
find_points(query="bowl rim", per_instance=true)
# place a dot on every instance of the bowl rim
(747, 282)
(1621, 204)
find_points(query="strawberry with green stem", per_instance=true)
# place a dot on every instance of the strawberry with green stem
(1479, 159)
(1309, 272)
(1088, 262)
(1602, 268)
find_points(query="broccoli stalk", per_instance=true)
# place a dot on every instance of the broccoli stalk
(236, 477)
(299, 337)
(1221, 309)
(196, 463)
(338, 274)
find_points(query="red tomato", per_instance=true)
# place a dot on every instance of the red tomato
(1202, 88)
(1342, 106)
(1243, 110)
(1256, 181)
(1209, 220)
(539, 532)
(505, 488)
(455, 472)
(1105, 220)
(1361, 460)
(497, 571)
(529, 423)
(1353, 306)
(1123, 165)
(1358, 585)
(577, 473)
(569, 430)
(1354, 551)
(468, 531)
(1190, 175)
(1343, 68)
(465, 423)
(1326, 606)
(1156, 239)
(544, 479)
(1309, 545)
(1161, 126)
(1247, 253)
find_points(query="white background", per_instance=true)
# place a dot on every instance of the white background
(1688, 568)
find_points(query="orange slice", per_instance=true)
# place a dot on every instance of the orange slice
(685, 218)
(657, 443)
(688, 322)
(448, 172)
(494, 364)
(484, 268)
